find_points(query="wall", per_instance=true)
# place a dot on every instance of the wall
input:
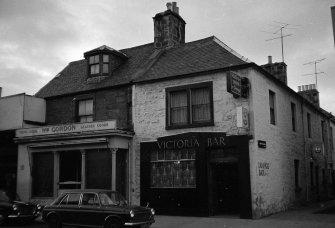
(112, 104)
(150, 117)
(11, 112)
(272, 168)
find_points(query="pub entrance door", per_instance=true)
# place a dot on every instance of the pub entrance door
(225, 188)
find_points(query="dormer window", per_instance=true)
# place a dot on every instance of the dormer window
(101, 62)
(95, 64)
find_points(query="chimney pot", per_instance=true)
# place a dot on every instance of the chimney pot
(299, 88)
(270, 59)
(169, 6)
(174, 6)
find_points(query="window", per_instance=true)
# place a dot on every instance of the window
(311, 171)
(90, 199)
(309, 125)
(173, 169)
(85, 110)
(99, 64)
(190, 105)
(272, 104)
(42, 174)
(296, 175)
(323, 130)
(293, 113)
(71, 199)
(331, 138)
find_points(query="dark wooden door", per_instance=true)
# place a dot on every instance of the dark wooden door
(225, 188)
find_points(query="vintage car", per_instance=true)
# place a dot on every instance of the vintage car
(95, 208)
(12, 208)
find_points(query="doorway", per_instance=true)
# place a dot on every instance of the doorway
(225, 189)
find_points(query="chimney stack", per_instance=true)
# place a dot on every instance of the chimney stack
(310, 93)
(169, 27)
(278, 70)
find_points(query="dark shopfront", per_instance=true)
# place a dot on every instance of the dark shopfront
(197, 173)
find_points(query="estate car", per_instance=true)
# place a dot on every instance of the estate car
(96, 208)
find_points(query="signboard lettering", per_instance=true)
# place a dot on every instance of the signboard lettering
(66, 128)
(234, 84)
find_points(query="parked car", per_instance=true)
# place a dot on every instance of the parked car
(96, 208)
(12, 208)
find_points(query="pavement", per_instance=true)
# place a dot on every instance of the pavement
(321, 215)
(316, 215)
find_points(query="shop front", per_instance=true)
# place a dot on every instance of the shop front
(73, 156)
(197, 173)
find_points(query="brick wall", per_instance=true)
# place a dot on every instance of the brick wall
(112, 104)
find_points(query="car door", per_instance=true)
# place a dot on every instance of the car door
(90, 213)
(68, 208)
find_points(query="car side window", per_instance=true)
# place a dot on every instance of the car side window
(90, 199)
(71, 199)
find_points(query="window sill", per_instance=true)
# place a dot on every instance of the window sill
(207, 124)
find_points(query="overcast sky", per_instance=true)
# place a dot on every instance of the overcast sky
(38, 38)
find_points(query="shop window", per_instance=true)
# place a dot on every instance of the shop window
(98, 169)
(42, 174)
(272, 104)
(173, 169)
(190, 106)
(70, 170)
(85, 111)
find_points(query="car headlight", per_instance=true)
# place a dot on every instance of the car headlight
(38, 207)
(15, 207)
(132, 214)
(152, 211)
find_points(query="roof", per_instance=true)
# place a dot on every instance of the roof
(145, 63)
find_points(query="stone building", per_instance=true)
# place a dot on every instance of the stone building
(189, 127)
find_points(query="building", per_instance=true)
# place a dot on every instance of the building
(16, 111)
(191, 128)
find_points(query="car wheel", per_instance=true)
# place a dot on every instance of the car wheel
(113, 224)
(54, 222)
(2, 218)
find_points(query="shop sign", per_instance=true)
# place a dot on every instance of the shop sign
(237, 85)
(242, 118)
(65, 128)
(234, 84)
(261, 144)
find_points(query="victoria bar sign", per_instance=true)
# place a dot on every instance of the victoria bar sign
(237, 85)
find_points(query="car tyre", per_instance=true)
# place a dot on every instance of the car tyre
(113, 224)
(2, 218)
(54, 222)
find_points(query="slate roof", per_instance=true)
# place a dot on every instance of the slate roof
(145, 63)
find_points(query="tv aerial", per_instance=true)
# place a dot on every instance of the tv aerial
(315, 70)
(280, 26)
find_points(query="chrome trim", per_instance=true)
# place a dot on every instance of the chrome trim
(21, 216)
(138, 223)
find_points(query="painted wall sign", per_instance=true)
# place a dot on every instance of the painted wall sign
(189, 143)
(261, 144)
(263, 168)
(66, 128)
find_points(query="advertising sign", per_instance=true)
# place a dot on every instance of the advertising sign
(65, 128)
(242, 117)
(234, 85)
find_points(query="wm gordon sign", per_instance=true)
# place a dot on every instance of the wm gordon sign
(65, 128)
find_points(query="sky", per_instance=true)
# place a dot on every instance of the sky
(38, 38)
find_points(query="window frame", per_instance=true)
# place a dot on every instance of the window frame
(309, 129)
(294, 116)
(272, 102)
(80, 99)
(188, 88)
(100, 63)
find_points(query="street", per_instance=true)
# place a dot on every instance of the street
(318, 215)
